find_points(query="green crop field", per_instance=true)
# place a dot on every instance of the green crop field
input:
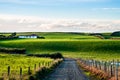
(69, 44)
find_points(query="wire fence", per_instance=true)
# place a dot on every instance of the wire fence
(111, 68)
(18, 74)
(24, 73)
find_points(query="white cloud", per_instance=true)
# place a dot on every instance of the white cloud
(14, 23)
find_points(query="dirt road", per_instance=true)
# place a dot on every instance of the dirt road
(67, 70)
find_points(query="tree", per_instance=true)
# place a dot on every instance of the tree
(117, 33)
(2, 36)
(13, 34)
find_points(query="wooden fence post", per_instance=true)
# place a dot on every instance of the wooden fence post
(8, 70)
(105, 67)
(111, 69)
(90, 64)
(108, 66)
(99, 65)
(117, 65)
(35, 67)
(29, 72)
(39, 65)
(93, 63)
(102, 65)
(21, 73)
(118, 71)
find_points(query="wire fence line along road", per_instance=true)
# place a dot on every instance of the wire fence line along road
(67, 70)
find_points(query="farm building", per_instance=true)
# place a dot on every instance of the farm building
(28, 36)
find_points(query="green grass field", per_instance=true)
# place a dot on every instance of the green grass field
(21, 61)
(58, 35)
(69, 44)
(16, 66)
(50, 45)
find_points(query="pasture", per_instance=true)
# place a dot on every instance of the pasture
(74, 45)
(71, 45)
(17, 67)
(21, 61)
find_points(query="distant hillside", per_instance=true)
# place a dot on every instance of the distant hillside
(61, 35)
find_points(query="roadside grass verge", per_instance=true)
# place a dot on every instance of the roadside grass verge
(93, 73)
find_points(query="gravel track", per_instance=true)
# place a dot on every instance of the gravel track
(67, 70)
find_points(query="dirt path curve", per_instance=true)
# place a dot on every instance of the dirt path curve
(67, 70)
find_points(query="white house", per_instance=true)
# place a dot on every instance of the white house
(28, 36)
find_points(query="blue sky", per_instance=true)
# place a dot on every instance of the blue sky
(63, 8)
(97, 11)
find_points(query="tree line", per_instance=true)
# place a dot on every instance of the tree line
(11, 36)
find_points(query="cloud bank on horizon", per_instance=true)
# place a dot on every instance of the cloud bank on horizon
(35, 24)
(59, 15)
